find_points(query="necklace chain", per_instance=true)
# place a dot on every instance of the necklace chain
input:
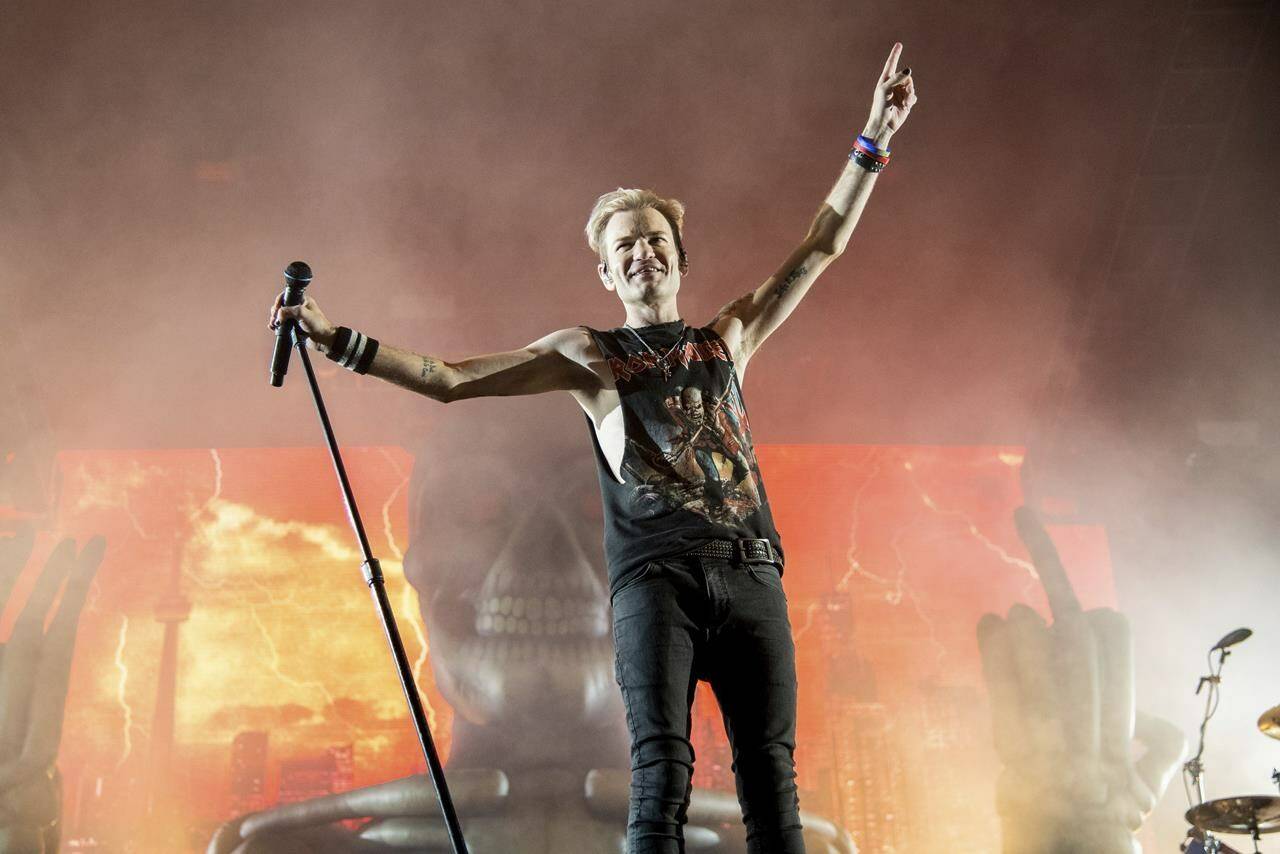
(662, 360)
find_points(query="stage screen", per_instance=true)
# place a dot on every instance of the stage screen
(282, 688)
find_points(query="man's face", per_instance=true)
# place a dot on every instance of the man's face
(641, 262)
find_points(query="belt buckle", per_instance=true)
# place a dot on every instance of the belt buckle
(744, 550)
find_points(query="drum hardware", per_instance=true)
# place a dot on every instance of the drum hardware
(1251, 814)
(1193, 768)
(1198, 843)
(1269, 723)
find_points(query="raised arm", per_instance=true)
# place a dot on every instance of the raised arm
(558, 362)
(747, 321)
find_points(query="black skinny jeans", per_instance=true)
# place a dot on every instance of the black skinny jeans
(685, 619)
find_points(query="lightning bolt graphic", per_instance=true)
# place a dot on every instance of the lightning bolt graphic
(203, 508)
(972, 528)
(897, 588)
(851, 555)
(217, 467)
(133, 519)
(113, 493)
(275, 660)
(1003, 555)
(217, 485)
(218, 519)
(408, 607)
(121, 686)
(226, 519)
(386, 506)
(894, 596)
(808, 622)
(907, 590)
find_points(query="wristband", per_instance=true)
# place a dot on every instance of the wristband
(865, 161)
(339, 343)
(353, 350)
(871, 144)
(879, 158)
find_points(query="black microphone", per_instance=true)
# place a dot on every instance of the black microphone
(296, 278)
(1232, 639)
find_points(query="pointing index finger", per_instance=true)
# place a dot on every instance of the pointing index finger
(891, 64)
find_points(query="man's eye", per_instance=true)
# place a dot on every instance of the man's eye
(658, 239)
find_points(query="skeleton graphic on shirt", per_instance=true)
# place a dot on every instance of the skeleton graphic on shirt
(701, 459)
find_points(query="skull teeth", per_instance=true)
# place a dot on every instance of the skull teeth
(539, 616)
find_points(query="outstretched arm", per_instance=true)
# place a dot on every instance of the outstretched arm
(749, 320)
(557, 362)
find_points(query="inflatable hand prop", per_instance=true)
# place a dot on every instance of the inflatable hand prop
(1064, 720)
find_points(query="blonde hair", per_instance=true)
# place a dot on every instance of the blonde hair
(620, 200)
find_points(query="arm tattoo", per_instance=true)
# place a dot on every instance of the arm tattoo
(428, 367)
(789, 282)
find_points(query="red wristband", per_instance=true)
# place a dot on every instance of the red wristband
(870, 152)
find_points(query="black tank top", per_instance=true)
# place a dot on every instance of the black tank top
(689, 472)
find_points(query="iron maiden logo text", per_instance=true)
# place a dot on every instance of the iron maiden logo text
(692, 351)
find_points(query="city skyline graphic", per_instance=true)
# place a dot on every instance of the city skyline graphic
(279, 686)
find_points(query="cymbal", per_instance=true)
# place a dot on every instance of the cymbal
(1238, 815)
(1269, 723)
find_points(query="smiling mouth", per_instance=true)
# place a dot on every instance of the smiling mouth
(647, 269)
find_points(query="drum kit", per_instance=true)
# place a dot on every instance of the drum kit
(1253, 815)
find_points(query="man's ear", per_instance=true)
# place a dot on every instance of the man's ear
(605, 278)
(684, 263)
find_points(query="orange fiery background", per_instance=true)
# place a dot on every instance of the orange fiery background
(894, 552)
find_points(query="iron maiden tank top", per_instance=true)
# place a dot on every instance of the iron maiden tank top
(688, 472)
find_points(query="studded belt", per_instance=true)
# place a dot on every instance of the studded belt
(740, 551)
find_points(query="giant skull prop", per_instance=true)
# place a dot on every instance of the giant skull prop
(507, 561)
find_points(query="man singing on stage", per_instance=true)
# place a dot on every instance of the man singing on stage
(695, 562)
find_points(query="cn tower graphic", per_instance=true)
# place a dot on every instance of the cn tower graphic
(172, 609)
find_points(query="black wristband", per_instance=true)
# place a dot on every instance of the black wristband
(353, 350)
(865, 162)
(366, 359)
(338, 345)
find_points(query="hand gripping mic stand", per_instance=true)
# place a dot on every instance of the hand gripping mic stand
(297, 276)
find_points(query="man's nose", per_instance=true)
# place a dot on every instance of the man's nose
(643, 249)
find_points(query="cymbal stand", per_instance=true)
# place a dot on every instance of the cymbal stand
(1193, 768)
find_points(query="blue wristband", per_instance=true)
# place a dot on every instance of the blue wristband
(871, 143)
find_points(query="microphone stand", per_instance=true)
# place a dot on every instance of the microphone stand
(372, 572)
